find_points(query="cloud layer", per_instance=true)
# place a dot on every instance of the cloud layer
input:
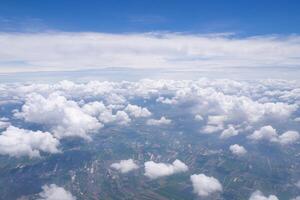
(65, 51)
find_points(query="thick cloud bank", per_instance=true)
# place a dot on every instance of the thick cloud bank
(54, 192)
(205, 185)
(125, 166)
(64, 51)
(156, 170)
(255, 110)
(20, 142)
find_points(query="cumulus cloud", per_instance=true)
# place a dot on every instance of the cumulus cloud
(120, 117)
(229, 132)
(157, 122)
(288, 137)
(265, 133)
(137, 111)
(63, 51)
(205, 185)
(156, 170)
(198, 117)
(54, 192)
(237, 150)
(64, 117)
(21, 142)
(125, 166)
(223, 107)
(208, 129)
(227, 107)
(258, 195)
(94, 108)
(270, 134)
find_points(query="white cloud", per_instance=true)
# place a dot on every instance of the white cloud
(205, 185)
(258, 195)
(265, 133)
(94, 108)
(156, 170)
(237, 149)
(270, 134)
(120, 117)
(229, 132)
(198, 117)
(137, 111)
(157, 122)
(223, 106)
(20, 142)
(64, 51)
(208, 129)
(125, 166)
(54, 192)
(288, 137)
(227, 107)
(64, 117)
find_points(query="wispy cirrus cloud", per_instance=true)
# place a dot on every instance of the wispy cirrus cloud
(57, 51)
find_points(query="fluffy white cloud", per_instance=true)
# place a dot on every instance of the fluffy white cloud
(229, 132)
(265, 133)
(288, 137)
(20, 142)
(237, 149)
(120, 117)
(223, 106)
(227, 107)
(198, 117)
(208, 129)
(125, 166)
(63, 51)
(156, 170)
(258, 195)
(64, 117)
(205, 185)
(270, 134)
(137, 111)
(157, 122)
(94, 108)
(54, 192)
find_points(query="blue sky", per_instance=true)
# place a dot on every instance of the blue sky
(203, 16)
